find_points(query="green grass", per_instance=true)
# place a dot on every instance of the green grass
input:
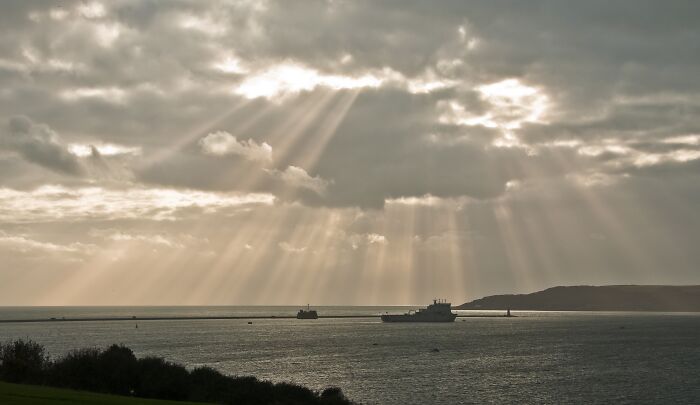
(18, 394)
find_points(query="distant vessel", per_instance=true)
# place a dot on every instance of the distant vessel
(307, 314)
(438, 311)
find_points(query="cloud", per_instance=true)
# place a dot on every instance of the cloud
(38, 144)
(289, 248)
(528, 128)
(297, 177)
(59, 203)
(511, 103)
(222, 143)
(108, 94)
(357, 240)
(24, 244)
(103, 149)
(283, 79)
(157, 239)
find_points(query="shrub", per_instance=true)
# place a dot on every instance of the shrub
(119, 370)
(294, 394)
(23, 362)
(79, 369)
(116, 370)
(162, 379)
(208, 385)
(333, 396)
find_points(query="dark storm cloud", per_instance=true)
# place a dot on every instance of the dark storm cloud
(555, 141)
(611, 71)
(38, 144)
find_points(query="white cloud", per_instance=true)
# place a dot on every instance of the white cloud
(597, 150)
(58, 14)
(426, 200)
(156, 239)
(230, 64)
(104, 149)
(203, 24)
(223, 143)
(289, 78)
(284, 79)
(24, 244)
(92, 10)
(683, 140)
(114, 95)
(106, 34)
(680, 156)
(594, 179)
(357, 240)
(426, 83)
(511, 103)
(58, 203)
(297, 177)
(289, 248)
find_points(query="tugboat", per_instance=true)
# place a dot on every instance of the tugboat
(438, 311)
(307, 314)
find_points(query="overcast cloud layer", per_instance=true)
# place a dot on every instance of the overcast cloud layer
(344, 152)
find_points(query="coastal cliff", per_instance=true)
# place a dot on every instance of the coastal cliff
(597, 298)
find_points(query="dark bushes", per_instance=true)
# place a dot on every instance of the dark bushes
(162, 379)
(22, 361)
(116, 370)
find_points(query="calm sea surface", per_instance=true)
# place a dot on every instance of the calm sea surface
(534, 358)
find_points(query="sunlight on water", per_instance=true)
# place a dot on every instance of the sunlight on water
(545, 357)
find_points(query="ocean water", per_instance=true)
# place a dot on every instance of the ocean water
(536, 357)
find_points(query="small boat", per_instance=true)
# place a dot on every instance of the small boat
(307, 313)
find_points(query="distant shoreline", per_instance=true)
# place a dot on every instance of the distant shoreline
(626, 298)
(196, 318)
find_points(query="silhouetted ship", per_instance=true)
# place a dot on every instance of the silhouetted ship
(307, 314)
(438, 311)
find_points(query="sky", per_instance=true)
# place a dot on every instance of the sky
(344, 152)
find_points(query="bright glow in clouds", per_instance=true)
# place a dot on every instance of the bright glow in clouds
(286, 79)
(230, 64)
(366, 239)
(92, 10)
(203, 24)
(651, 159)
(511, 104)
(109, 94)
(106, 34)
(105, 149)
(289, 248)
(628, 155)
(222, 143)
(684, 140)
(24, 244)
(297, 177)
(55, 203)
(426, 200)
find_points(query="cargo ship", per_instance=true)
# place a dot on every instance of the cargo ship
(307, 313)
(438, 311)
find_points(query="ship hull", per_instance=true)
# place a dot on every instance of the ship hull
(414, 318)
(307, 315)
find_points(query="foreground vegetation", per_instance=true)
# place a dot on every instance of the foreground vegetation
(116, 370)
(20, 394)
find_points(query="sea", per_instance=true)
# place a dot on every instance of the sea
(533, 357)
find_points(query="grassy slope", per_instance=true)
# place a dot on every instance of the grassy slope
(17, 394)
